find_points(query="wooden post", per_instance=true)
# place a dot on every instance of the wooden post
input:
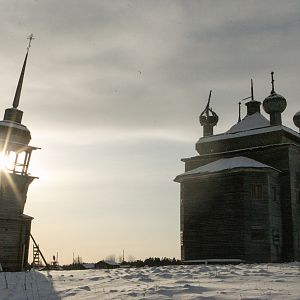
(16, 161)
(24, 164)
(27, 162)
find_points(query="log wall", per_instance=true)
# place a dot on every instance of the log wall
(14, 226)
(218, 215)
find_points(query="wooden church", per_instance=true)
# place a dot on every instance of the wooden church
(240, 196)
(15, 154)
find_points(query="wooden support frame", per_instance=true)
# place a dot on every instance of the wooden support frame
(38, 248)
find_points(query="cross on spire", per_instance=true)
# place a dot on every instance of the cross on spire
(30, 38)
(20, 82)
(272, 75)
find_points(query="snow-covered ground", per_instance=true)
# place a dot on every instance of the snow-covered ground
(265, 281)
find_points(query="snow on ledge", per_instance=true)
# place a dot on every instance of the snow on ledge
(214, 261)
(224, 164)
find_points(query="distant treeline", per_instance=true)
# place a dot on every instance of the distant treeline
(153, 262)
(148, 262)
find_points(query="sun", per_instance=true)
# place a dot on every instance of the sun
(7, 161)
(3, 161)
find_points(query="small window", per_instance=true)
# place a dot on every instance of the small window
(257, 233)
(256, 191)
(181, 238)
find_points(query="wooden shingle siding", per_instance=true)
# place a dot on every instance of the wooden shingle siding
(219, 212)
(206, 233)
(294, 155)
(14, 227)
(13, 194)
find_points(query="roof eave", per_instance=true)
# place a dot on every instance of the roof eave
(183, 177)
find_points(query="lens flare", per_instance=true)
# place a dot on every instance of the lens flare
(7, 160)
(3, 161)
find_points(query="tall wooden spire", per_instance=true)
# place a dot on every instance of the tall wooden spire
(20, 82)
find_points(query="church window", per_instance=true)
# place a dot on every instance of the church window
(257, 233)
(256, 191)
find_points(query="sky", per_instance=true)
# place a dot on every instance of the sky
(112, 94)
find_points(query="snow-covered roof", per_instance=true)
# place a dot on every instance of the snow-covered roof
(250, 125)
(111, 262)
(248, 132)
(26, 216)
(253, 121)
(13, 143)
(88, 265)
(224, 164)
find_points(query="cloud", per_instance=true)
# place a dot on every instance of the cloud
(143, 64)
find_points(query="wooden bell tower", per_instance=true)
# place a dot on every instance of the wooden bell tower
(15, 154)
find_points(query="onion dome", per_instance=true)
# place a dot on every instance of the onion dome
(274, 105)
(296, 119)
(208, 119)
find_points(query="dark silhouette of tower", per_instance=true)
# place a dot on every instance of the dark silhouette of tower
(15, 154)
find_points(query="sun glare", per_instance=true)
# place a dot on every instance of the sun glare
(7, 160)
(3, 161)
